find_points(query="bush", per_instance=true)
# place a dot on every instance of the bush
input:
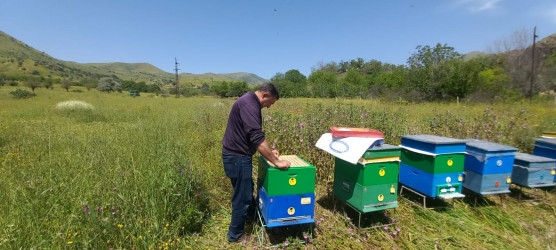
(21, 94)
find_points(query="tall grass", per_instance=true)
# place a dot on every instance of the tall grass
(146, 172)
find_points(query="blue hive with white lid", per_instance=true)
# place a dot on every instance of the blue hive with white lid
(433, 165)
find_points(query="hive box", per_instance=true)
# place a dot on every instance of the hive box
(286, 210)
(487, 184)
(434, 144)
(367, 198)
(533, 171)
(545, 147)
(366, 174)
(433, 163)
(432, 185)
(485, 157)
(298, 179)
(382, 153)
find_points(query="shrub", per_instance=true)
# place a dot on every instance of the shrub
(21, 94)
(74, 105)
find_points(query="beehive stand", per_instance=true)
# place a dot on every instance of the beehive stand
(442, 197)
(260, 231)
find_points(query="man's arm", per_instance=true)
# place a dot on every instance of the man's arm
(267, 152)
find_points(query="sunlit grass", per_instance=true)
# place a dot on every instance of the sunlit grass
(146, 172)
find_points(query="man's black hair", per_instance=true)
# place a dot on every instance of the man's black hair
(269, 87)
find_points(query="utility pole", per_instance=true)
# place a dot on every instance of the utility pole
(177, 79)
(532, 65)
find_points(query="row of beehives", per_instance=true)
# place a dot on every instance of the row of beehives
(438, 166)
(432, 165)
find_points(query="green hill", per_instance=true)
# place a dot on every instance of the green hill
(19, 60)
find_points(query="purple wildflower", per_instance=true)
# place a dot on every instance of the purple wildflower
(287, 243)
(398, 229)
(310, 240)
(305, 236)
(85, 209)
(99, 210)
(60, 234)
(321, 219)
(395, 233)
(386, 227)
(123, 174)
(115, 189)
(114, 212)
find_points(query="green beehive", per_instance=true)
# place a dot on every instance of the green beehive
(385, 151)
(367, 198)
(435, 164)
(298, 179)
(365, 174)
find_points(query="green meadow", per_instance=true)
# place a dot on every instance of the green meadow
(145, 172)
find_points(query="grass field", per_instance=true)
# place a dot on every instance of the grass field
(145, 172)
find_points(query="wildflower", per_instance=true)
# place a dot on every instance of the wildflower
(99, 210)
(115, 189)
(287, 243)
(70, 242)
(321, 219)
(181, 170)
(120, 226)
(301, 140)
(523, 111)
(198, 194)
(85, 209)
(140, 237)
(305, 236)
(310, 240)
(398, 229)
(395, 233)
(114, 212)
(347, 218)
(386, 227)
(123, 174)
(60, 234)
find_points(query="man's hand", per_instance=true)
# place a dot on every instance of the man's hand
(276, 153)
(282, 164)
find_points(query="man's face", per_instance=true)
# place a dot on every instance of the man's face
(267, 100)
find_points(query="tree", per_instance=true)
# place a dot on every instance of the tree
(323, 83)
(109, 84)
(66, 84)
(33, 83)
(429, 69)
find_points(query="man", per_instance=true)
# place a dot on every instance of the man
(243, 137)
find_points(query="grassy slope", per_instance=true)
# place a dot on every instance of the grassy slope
(52, 163)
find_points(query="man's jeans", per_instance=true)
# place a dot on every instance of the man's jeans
(239, 169)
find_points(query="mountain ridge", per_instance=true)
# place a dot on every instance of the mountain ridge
(13, 51)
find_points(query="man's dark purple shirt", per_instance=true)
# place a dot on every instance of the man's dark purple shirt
(244, 131)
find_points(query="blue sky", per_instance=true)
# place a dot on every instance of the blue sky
(264, 37)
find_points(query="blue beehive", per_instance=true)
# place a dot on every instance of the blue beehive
(533, 171)
(485, 157)
(488, 167)
(429, 184)
(434, 144)
(286, 210)
(487, 184)
(433, 165)
(545, 147)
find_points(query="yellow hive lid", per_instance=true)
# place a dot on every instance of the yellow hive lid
(294, 159)
(549, 134)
